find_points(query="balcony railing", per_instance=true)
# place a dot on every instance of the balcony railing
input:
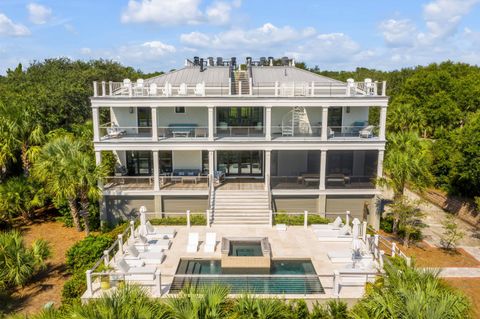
(365, 132)
(170, 182)
(304, 181)
(283, 89)
(240, 131)
(129, 182)
(289, 131)
(341, 181)
(182, 131)
(112, 131)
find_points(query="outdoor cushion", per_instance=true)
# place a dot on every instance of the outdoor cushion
(123, 266)
(132, 250)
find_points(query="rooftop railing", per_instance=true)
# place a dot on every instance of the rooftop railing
(279, 89)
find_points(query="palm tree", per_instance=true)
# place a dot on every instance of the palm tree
(20, 195)
(20, 131)
(18, 263)
(406, 163)
(204, 302)
(408, 292)
(54, 167)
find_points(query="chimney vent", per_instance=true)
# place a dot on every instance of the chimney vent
(219, 61)
(210, 61)
(196, 60)
(202, 67)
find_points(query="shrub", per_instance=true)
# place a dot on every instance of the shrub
(84, 253)
(386, 224)
(18, 263)
(298, 220)
(197, 219)
(74, 288)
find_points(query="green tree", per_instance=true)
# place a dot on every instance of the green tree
(21, 131)
(406, 217)
(408, 292)
(67, 168)
(407, 162)
(451, 234)
(18, 263)
(20, 195)
(204, 302)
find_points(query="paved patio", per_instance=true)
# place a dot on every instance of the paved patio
(294, 243)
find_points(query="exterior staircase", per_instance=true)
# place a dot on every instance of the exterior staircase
(240, 77)
(234, 207)
(296, 122)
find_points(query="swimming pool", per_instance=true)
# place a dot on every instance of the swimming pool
(292, 276)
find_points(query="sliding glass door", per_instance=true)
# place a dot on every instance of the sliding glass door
(240, 163)
(139, 163)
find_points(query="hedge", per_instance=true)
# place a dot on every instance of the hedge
(298, 220)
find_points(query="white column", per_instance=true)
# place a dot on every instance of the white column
(96, 124)
(211, 162)
(268, 123)
(267, 168)
(156, 172)
(154, 125)
(324, 123)
(323, 169)
(211, 123)
(383, 122)
(380, 164)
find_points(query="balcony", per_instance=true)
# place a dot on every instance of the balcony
(140, 183)
(358, 132)
(141, 89)
(239, 131)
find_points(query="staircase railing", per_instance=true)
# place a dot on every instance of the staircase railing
(270, 206)
(211, 189)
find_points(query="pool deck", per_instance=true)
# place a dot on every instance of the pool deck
(295, 243)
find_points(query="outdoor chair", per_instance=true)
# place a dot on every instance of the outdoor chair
(200, 89)
(146, 273)
(144, 244)
(167, 89)
(153, 89)
(367, 132)
(149, 257)
(201, 132)
(151, 233)
(182, 89)
(139, 87)
(192, 244)
(210, 242)
(115, 132)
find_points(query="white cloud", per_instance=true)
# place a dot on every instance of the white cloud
(38, 14)
(162, 11)
(442, 17)
(398, 33)
(86, 51)
(168, 12)
(151, 50)
(9, 28)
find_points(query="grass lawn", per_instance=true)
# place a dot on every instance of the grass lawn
(46, 286)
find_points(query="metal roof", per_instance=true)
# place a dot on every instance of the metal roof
(271, 74)
(192, 75)
(220, 75)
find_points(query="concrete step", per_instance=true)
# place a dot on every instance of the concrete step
(239, 202)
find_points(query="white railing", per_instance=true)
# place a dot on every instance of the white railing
(282, 89)
(239, 131)
(364, 131)
(113, 131)
(128, 182)
(174, 131)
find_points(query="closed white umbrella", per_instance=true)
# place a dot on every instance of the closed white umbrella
(143, 220)
(356, 243)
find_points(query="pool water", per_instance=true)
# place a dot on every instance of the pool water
(286, 277)
(245, 248)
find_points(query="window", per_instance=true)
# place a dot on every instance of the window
(139, 163)
(179, 109)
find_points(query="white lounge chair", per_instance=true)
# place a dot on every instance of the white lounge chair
(149, 257)
(139, 87)
(326, 235)
(210, 242)
(143, 244)
(146, 273)
(337, 224)
(192, 244)
(161, 233)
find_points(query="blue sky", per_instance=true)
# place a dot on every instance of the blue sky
(155, 35)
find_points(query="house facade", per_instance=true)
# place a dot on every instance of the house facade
(241, 141)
